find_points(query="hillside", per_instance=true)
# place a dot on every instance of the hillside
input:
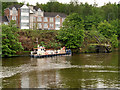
(48, 38)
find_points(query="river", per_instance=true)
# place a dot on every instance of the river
(76, 71)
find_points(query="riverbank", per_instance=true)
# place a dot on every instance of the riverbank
(29, 39)
(48, 38)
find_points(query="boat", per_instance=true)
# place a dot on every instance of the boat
(41, 52)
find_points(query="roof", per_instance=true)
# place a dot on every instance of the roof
(35, 7)
(16, 6)
(4, 19)
(25, 6)
(53, 14)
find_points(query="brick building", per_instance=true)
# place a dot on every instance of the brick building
(32, 17)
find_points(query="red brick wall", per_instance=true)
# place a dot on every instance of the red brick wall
(60, 22)
(48, 22)
(54, 22)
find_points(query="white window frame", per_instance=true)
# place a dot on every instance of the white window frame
(39, 25)
(6, 23)
(24, 24)
(45, 19)
(24, 17)
(46, 25)
(34, 19)
(57, 19)
(51, 19)
(13, 17)
(51, 26)
(39, 12)
(25, 10)
(57, 25)
(39, 19)
(14, 11)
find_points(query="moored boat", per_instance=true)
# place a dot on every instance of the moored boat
(41, 52)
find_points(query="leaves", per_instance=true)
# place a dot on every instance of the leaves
(10, 43)
(106, 29)
(72, 32)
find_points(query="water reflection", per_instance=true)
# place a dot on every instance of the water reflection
(77, 71)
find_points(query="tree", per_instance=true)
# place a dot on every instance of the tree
(106, 29)
(114, 41)
(110, 11)
(116, 24)
(109, 32)
(10, 43)
(8, 4)
(72, 32)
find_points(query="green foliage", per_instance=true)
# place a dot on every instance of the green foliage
(116, 24)
(94, 37)
(114, 41)
(8, 4)
(42, 43)
(106, 12)
(12, 23)
(100, 38)
(110, 11)
(10, 43)
(91, 48)
(109, 31)
(106, 29)
(72, 32)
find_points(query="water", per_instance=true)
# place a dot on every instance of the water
(77, 71)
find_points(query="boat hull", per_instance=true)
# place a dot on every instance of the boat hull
(52, 55)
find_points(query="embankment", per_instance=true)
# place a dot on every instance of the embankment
(48, 38)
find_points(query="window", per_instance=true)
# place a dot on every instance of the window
(63, 19)
(25, 24)
(57, 19)
(34, 25)
(25, 10)
(25, 17)
(45, 25)
(39, 12)
(51, 25)
(34, 19)
(39, 25)
(39, 19)
(13, 17)
(45, 19)
(57, 25)
(51, 19)
(6, 23)
(14, 11)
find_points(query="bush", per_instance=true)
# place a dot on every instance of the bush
(114, 41)
(10, 42)
(72, 32)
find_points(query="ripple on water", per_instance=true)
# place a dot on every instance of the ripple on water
(10, 71)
